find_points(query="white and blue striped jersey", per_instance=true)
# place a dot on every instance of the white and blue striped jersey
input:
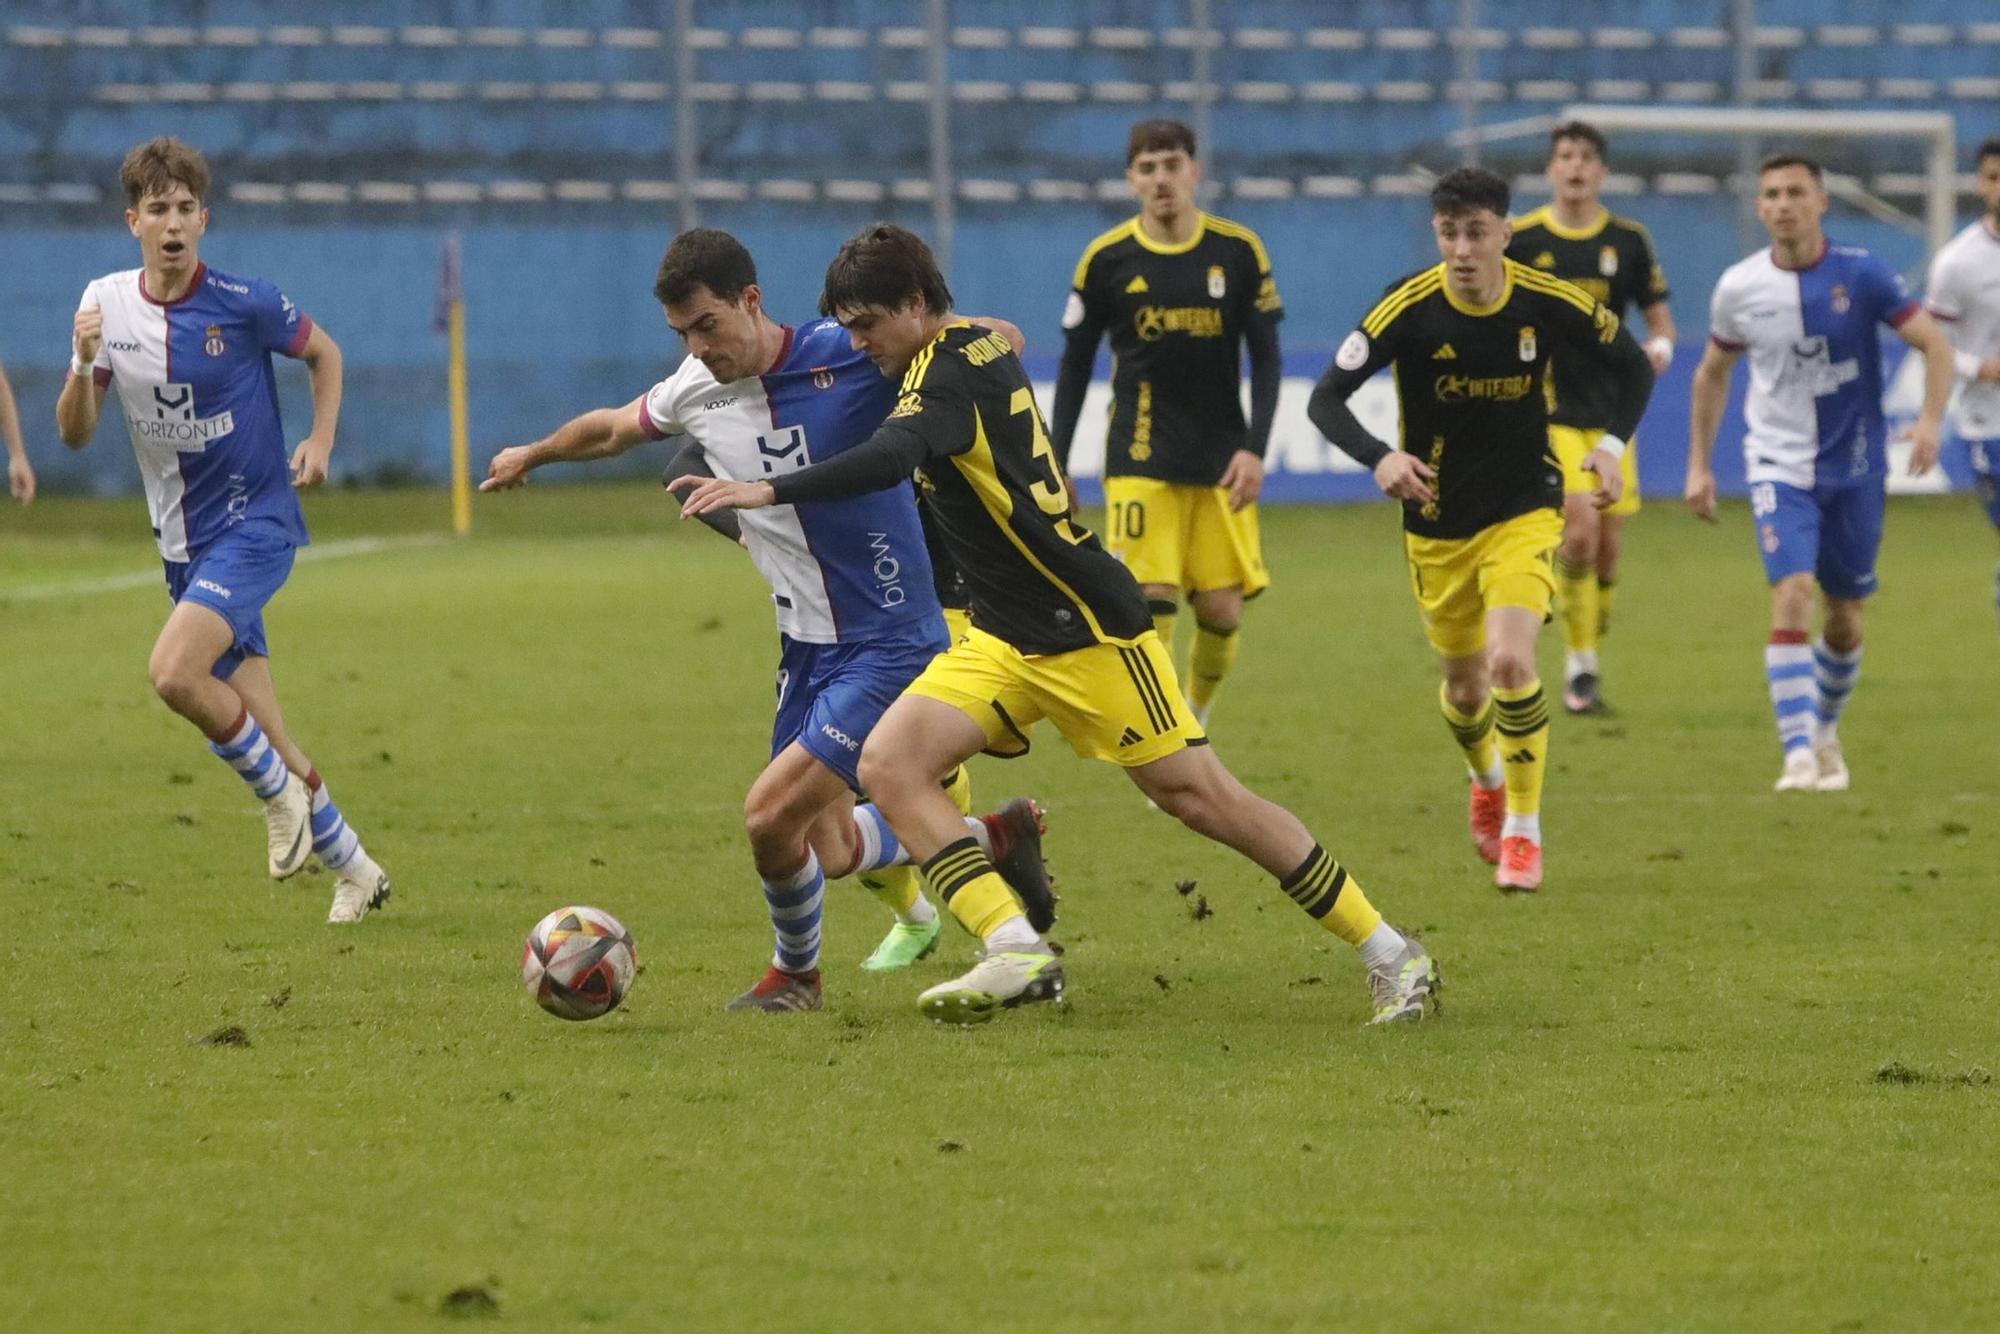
(194, 378)
(840, 571)
(1964, 292)
(1815, 404)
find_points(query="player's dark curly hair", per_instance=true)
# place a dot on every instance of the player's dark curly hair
(1583, 132)
(704, 257)
(884, 265)
(1467, 190)
(1989, 148)
(1158, 136)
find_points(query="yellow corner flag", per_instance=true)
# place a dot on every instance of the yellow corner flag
(451, 321)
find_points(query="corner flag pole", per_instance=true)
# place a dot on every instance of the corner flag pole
(451, 320)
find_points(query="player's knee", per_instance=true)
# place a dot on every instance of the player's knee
(887, 777)
(173, 681)
(1510, 667)
(770, 822)
(1466, 695)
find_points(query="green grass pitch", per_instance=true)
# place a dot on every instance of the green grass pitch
(1728, 1071)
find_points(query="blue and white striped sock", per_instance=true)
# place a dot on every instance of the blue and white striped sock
(250, 753)
(795, 902)
(1788, 666)
(1834, 674)
(335, 843)
(879, 847)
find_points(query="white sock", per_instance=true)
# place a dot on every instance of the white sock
(1523, 826)
(980, 834)
(1012, 934)
(1384, 943)
(1492, 778)
(1578, 661)
(920, 913)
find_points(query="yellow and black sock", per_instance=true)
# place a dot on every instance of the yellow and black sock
(1578, 584)
(963, 877)
(1209, 661)
(1330, 897)
(1523, 724)
(1474, 734)
(1164, 611)
(1607, 590)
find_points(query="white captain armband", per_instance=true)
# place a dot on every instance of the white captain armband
(1611, 445)
(1661, 348)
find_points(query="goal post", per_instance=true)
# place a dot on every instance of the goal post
(1937, 130)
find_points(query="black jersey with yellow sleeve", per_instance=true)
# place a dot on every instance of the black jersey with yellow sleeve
(1613, 260)
(966, 421)
(1472, 386)
(1177, 316)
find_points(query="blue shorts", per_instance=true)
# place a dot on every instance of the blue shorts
(830, 696)
(1832, 534)
(1985, 456)
(234, 576)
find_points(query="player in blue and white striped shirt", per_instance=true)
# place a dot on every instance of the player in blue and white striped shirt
(1808, 311)
(188, 349)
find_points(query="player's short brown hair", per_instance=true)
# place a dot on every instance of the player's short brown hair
(704, 257)
(158, 165)
(1987, 149)
(884, 265)
(1467, 190)
(1158, 136)
(1583, 132)
(1791, 159)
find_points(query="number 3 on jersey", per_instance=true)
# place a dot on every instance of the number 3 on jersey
(1050, 490)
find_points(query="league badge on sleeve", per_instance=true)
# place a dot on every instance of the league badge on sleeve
(1353, 354)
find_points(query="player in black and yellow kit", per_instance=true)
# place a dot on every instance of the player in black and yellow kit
(1577, 239)
(1182, 294)
(1059, 631)
(1471, 341)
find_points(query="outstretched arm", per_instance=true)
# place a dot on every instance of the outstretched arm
(599, 434)
(884, 460)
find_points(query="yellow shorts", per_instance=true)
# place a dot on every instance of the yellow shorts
(1115, 701)
(1459, 579)
(1184, 536)
(1573, 444)
(957, 620)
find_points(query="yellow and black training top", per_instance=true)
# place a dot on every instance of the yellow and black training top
(966, 421)
(1613, 260)
(1473, 388)
(1179, 317)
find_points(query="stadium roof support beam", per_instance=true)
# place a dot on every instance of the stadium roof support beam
(1937, 129)
(1201, 68)
(944, 193)
(686, 146)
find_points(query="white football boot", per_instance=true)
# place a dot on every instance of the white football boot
(288, 828)
(358, 887)
(1801, 772)
(1833, 776)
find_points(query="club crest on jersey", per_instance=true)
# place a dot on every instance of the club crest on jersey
(1528, 342)
(822, 378)
(1607, 261)
(212, 342)
(1839, 299)
(1218, 281)
(1546, 260)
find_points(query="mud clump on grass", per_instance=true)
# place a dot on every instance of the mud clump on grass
(1895, 1072)
(235, 1035)
(474, 1301)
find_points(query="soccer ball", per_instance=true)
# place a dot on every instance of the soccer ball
(578, 963)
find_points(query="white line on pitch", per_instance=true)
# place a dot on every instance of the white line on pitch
(117, 583)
